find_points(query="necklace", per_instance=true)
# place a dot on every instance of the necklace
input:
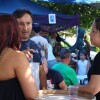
(3, 52)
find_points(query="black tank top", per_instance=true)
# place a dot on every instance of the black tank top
(11, 90)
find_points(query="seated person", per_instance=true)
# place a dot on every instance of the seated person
(67, 72)
(55, 80)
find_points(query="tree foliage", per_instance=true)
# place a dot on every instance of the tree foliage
(87, 12)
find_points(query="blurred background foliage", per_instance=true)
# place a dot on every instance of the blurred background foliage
(87, 14)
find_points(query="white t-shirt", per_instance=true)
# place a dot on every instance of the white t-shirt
(50, 53)
(82, 67)
(41, 42)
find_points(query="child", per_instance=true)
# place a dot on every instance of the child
(82, 64)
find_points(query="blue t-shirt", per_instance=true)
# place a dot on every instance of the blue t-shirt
(55, 77)
(32, 45)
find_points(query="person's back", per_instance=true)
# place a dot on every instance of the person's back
(55, 80)
(67, 72)
(41, 41)
(9, 84)
(42, 44)
(12, 82)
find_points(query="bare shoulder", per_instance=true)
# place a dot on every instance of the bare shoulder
(16, 54)
(18, 57)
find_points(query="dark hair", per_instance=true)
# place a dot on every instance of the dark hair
(21, 12)
(36, 27)
(84, 53)
(97, 23)
(64, 53)
(8, 32)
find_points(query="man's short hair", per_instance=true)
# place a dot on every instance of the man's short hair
(64, 53)
(18, 13)
(36, 27)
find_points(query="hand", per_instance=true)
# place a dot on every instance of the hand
(28, 53)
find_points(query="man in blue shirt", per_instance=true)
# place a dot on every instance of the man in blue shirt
(24, 19)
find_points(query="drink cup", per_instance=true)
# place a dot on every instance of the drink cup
(73, 92)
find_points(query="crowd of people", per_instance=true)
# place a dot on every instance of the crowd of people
(28, 64)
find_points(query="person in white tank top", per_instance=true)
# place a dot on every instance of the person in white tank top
(83, 64)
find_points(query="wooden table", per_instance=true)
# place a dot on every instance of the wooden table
(62, 95)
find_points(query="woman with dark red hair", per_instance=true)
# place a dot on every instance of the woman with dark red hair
(16, 80)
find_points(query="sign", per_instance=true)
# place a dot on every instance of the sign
(52, 18)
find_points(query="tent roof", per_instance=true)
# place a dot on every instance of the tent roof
(8, 6)
(40, 13)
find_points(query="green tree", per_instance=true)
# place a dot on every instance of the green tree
(87, 12)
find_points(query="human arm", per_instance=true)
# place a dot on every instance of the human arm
(60, 80)
(72, 76)
(46, 53)
(74, 60)
(93, 87)
(77, 68)
(88, 67)
(46, 49)
(45, 65)
(24, 75)
(63, 85)
(43, 80)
